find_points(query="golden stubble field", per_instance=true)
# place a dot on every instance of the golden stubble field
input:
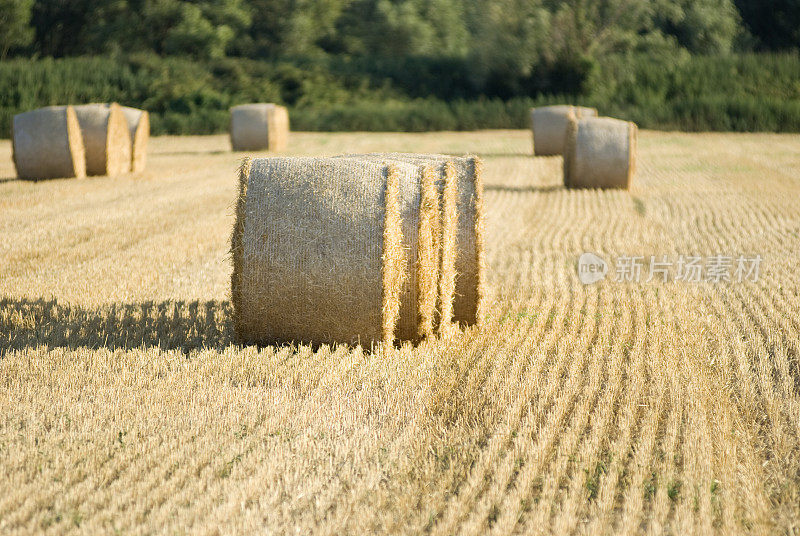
(619, 407)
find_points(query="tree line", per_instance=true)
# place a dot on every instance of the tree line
(504, 43)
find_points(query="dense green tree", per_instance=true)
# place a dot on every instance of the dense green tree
(194, 35)
(594, 28)
(513, 35)
(15, 30)
(206, 28)
(404, 28)
(774, 23)
(61, 27)
(700, 26)
(295, 27)
(509, 37)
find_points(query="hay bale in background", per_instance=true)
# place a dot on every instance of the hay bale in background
(600, 153)
(139, 130)
(259, 127)
(318, 250)
(549, 125)
(582, 112)
(468, 249)
(106, 138)
(280, 128)
(47, 144)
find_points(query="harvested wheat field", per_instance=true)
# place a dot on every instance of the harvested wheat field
(626, 407)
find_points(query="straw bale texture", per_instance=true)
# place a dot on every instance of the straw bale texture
(47, 144)
(465, 174)
(471, 259)
(139, 130)
(421, 227)
(448, 246)
(426, 270)
(601, 153)
(466, 250)
(318, 250)
(429, 269)
(106, 138)
(549, 125)
(259, 127)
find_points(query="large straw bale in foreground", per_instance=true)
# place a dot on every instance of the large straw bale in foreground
(139, 130)
(259, 127)
(549, 125)
(106, 138)
(469, 249)
(318, 250)
(47, 144)
(600, 153)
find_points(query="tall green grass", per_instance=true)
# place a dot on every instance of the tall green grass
(731, 93)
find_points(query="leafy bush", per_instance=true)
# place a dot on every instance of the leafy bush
(753, 92)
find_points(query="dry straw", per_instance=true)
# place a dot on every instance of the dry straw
(259, 127)
(47, 144)
(549, 125)
(448, 247)
(106, 138)
(466, 252)
(426, 269)
(318, 250)
(425, 230)
(601, 153)
(470, 299)
(139, 130)
(461, 244)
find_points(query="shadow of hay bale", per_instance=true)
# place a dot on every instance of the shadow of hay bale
(168, 325)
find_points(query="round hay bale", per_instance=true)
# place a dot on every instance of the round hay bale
(259, 127)
(106, 138)
(549, 125)
(139, 130)
(318, 250)
(601, 153)
(47, 144)
(466, 252)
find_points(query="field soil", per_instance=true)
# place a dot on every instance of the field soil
(624, 406)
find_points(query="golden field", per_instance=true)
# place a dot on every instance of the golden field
(620, 407)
